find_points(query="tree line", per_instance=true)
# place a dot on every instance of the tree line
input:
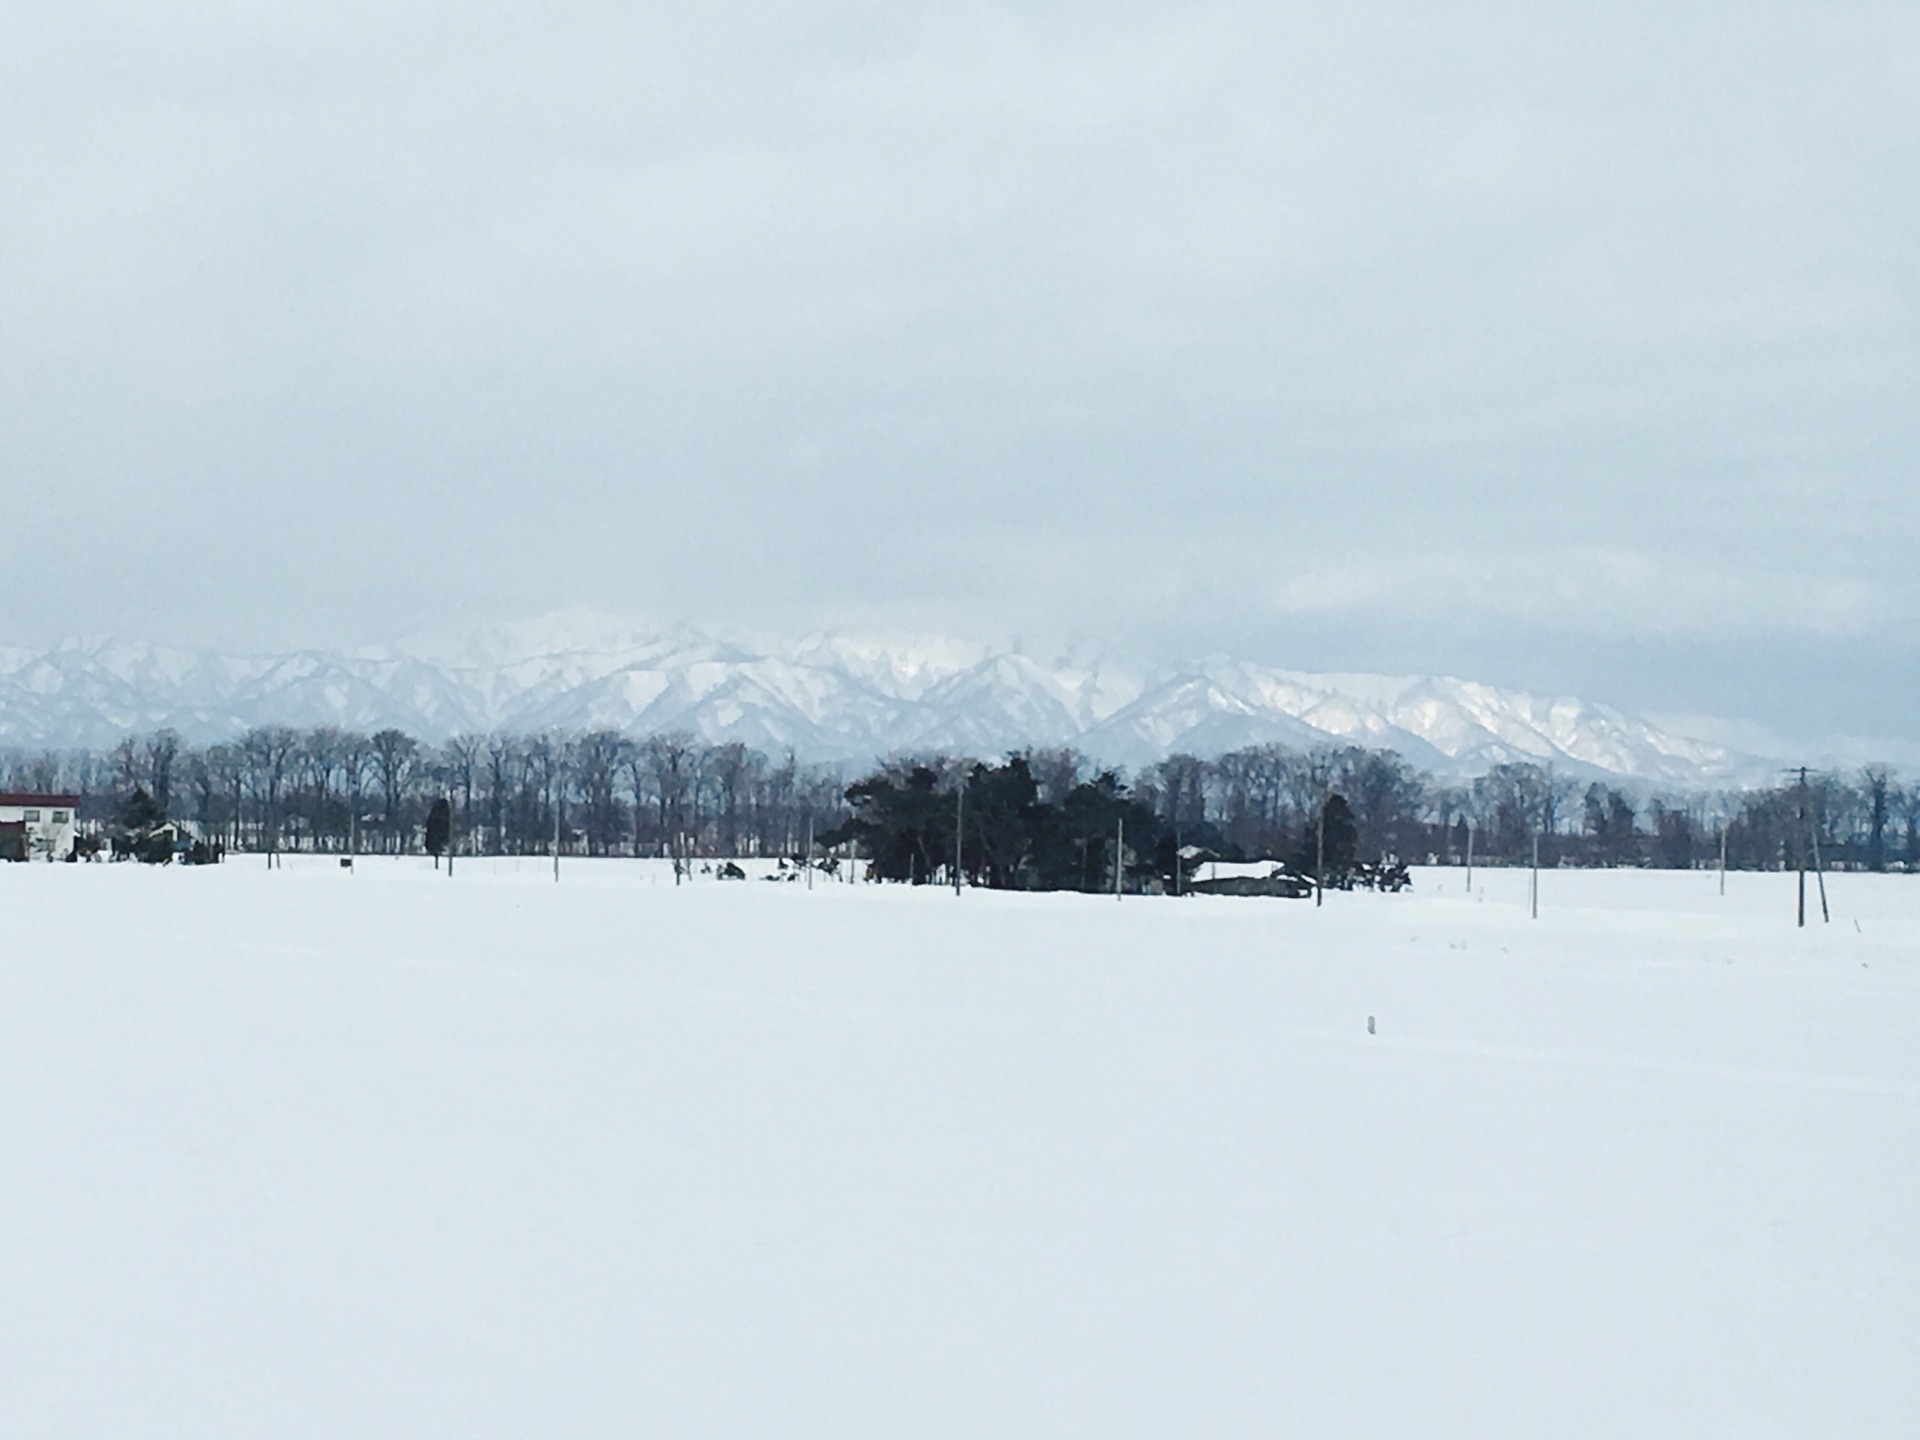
(334, 790)
(1044, 818)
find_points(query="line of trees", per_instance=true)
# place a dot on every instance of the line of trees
(1040, 818)
(334, 790)
(1264, 801)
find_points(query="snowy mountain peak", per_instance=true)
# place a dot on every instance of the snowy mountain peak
(835, 695)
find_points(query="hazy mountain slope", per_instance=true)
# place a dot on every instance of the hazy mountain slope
(828, 696)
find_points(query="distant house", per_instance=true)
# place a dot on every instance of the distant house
(36, 827)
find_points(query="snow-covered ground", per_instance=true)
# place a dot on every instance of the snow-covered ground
(307, 1153)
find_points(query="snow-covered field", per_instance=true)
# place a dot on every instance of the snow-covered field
(307, 1153)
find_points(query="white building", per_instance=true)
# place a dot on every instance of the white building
(37, 827)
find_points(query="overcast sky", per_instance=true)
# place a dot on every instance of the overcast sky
(1563, 346)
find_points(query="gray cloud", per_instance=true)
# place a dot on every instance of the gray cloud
(1491, 339)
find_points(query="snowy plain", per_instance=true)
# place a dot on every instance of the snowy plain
(392, 1153)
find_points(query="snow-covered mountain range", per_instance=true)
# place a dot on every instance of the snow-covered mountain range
(831, 696)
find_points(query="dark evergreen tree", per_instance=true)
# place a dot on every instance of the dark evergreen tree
(1333, 842)
(903, 824)
(1001, 808)
(439, 827)
(1673, 840)
(147, 838)
(1011, 838)
(141, 813)
(1073, 842)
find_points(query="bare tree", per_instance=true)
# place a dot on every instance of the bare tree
(395, 754)
(321, 755)
(1055, 772)
(500, 757)
(462, 757)
(129, 767)
(204, 781)
(732, 768)
(162, 749)
(669, 760)
(1387, 797)
(1876, 782)
(356, 768)
(598, 758)
(267, 753)
(1178, 786)
(1514, 803)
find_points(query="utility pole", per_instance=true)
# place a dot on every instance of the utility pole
(1469, 857)
(1800, 854)
(1819, 872)
(1820, 879)
(959, 829)
(809, 850)
(556, 832)
(1534, 896)
(1723, 857)
(1320, 858)
(1119, 853)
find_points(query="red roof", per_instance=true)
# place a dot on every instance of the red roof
(52, 802)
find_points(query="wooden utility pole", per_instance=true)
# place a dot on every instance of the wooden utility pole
(1723, 857)
(556, 833)
(1320, 858)
(1800, 855)
(1469, 857)
(959, 829)
(809, 850)
(1119, 853)
(1534, 895)
(1819, 872)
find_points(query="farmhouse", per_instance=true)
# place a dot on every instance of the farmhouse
(36, 827)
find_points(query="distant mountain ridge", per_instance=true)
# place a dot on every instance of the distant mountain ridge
(829, 696)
